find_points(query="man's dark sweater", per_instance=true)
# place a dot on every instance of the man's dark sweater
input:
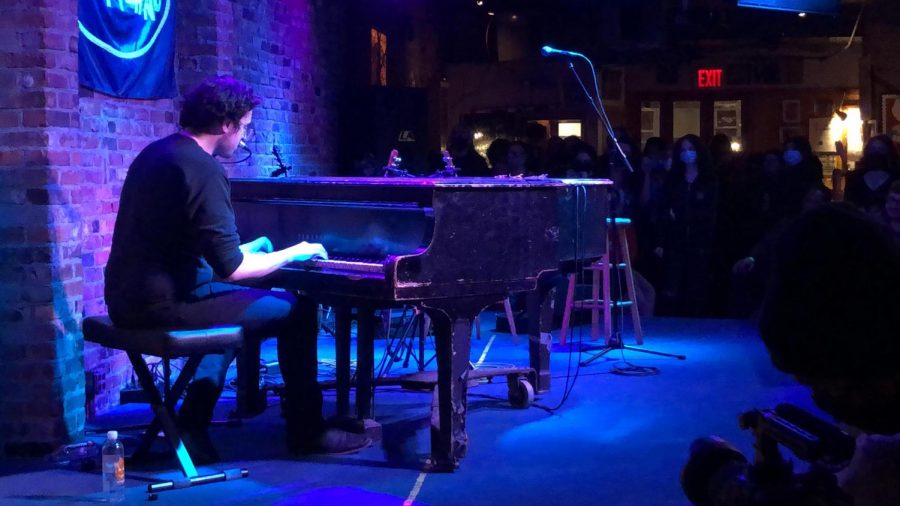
(175, 227)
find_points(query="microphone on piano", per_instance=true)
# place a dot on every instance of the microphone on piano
(392, 169)
(282, 169)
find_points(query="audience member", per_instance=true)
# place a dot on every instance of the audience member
(868, 185)
(517, 159)
(830, 318)
(752, 271)
(537, 148)
(582, 161)
(465, 158)
(497, 154)
(802, 171)
(655, 165)
(892, 210)
(685, 229)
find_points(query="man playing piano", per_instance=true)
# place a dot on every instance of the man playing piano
(176, 252)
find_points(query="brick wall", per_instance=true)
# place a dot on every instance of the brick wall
(41, 276)
(64, 152)
(292, 53)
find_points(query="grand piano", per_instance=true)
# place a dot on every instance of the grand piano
(452, 246)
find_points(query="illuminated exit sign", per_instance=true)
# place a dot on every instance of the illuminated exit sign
(709, 78)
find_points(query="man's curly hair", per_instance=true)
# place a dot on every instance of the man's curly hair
(214, 102)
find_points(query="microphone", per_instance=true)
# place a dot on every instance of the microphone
(282, 169)
(552, 51)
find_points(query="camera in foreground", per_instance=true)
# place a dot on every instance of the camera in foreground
(718, 474)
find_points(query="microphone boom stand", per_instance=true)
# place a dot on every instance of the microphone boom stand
(615, 342)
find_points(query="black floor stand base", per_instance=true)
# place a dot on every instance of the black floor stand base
(616, 344)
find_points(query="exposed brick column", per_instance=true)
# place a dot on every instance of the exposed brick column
(64, 153)
(41, 284)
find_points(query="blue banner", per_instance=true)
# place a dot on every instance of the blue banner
(126, 48)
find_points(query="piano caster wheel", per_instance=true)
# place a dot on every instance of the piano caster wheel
(521, 393)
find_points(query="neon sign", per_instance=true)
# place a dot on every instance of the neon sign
(146, 8)
(137, 25)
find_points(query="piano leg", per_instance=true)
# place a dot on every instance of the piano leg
(342, 319)
(540, 322)
(365, 360)
(452, 335)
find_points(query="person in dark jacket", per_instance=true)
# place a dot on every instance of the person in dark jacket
(830, 319)
(462, 149)
(868, 186)
(803, 170)
(685, 229)
(176, 255)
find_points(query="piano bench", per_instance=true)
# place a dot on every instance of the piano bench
(167, 344)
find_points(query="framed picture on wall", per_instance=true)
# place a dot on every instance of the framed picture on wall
(890, 116)
(790, 111)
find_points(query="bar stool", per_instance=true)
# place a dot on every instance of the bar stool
(601, 270)
(167, 344)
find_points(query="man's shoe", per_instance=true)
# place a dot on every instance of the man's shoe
(330, 442)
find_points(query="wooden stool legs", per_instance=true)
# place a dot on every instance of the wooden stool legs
(601, 272)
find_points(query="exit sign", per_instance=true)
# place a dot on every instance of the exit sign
(709, 78)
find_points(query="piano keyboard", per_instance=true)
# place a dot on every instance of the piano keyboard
(343, 264)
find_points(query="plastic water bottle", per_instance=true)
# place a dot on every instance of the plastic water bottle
(113, 468)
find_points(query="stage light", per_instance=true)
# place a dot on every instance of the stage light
(735, 146)
(802, 14)
(479, 3)
(490, 13)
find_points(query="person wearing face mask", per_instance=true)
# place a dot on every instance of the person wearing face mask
(868, 186)
(685, 229)
(803, 170)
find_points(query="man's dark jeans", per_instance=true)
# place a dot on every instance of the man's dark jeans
(262, 314)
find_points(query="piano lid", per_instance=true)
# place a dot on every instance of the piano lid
(418, 190)
(431, 182)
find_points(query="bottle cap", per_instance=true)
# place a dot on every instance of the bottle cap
(112, 435)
